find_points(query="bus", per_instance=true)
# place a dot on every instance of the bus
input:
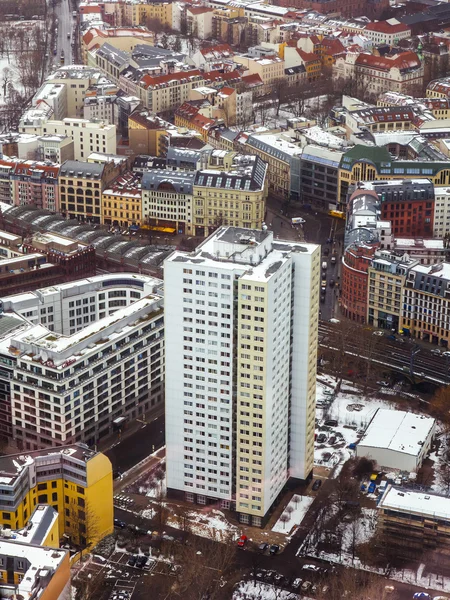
(338, 214)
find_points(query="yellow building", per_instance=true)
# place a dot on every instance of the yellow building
(31, 562)
(143, 14)
(235, 196)
(122, 201)
(146, 132)
(75, 481)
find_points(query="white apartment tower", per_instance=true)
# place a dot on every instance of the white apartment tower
(241, 344)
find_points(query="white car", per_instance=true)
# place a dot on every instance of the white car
(378, 333)
(337, 321)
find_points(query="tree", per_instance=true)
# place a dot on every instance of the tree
(363, 466)
(90, 587)
(440, 405)
(164, 41)
(177, 44)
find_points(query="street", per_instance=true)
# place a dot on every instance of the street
(66, 24)
(137, 446)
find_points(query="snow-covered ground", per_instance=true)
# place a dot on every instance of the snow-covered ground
(294, 513)
(352, 409)
(210, 523)
(255, 590)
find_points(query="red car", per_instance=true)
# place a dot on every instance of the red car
(242, 541)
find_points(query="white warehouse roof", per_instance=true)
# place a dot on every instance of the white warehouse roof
(397, 430)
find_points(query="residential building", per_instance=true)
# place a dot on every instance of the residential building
(348, 9)
(270, 69)
(199, 21)
(164, 93)
(76, 80)
(283, 160)
(193, 116)
(354, 280)
(415, 523)
(75, 481)
(426, 303)
(387, 32)
(396, 439)
(401, 72)
(145, 131)
(386, 279)
(439, 88)
(234, 195)
(33, 570)
(441, 217)
(122, 202)
(155, 14)
(81, 185)
(240, 401)
(55, 95)
(54, 148)
(88, 136)
(104, 350)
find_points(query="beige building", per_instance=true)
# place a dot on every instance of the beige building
(155, 15)
(76, 80)
(233, 195)
(386, 278)
(270, 69)
(88, 136)
(147, 133)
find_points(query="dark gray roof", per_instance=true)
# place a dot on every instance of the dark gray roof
(76, 168)
(181, 181)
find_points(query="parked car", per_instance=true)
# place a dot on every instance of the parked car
(141, 561)
(242, 541)
(297, 583)
(132, 560)
(120, 524)
(321, 438)
(277, 578)
(389, 589)
(378, 333)
(436, 351)
(305, 586)
(332, 282)
(312, 568)
(263, 547)
(274, 549)
(446, 353)
(322, 298)
(332, 440)
(316, 484)
(333, 260)
(331, 423)
(421, 596)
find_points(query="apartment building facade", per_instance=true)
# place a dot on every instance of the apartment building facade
(92, 358)
(241, 349)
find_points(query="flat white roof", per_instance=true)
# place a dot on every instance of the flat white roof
(410, 501)
(397, 430)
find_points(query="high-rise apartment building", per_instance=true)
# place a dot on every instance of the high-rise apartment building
(241, 363)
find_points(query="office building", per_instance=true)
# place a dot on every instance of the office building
(241, 346)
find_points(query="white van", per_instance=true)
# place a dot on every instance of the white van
(324, 265)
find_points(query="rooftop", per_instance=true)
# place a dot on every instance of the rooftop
(410, 501)
(398, 431)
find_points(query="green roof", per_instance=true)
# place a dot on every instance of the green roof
(374, 154)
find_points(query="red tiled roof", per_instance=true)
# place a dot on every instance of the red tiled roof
(222, 76)
(219, 48)
(385, 27)
(405, 60)
(252, 80)
(332, 46)
(307, 57)
(150, 80)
